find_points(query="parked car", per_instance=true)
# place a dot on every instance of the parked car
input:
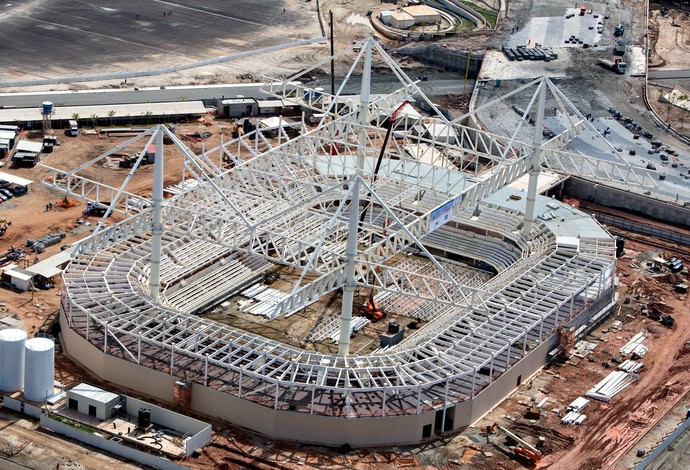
(20, 190)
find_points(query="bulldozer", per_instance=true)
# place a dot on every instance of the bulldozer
(4, 225)
(521, 449)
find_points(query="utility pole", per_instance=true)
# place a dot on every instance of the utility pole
(330, 16)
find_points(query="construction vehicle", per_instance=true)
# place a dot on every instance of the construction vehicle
(20, 190)
(11, 255)
(372, 310)
(520, 448)
(4, 224)
(97, 208)
(619, 48)
(66, 203)
(616, 65)
(271, 276)
(620, 29)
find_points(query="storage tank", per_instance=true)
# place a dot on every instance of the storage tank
(47, 107)
(12, 342)
(39, 364)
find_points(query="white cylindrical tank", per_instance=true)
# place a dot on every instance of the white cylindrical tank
(39, 365)
(12, 343)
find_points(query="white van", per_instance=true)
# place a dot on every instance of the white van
(73, 129)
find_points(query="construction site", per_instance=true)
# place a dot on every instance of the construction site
(344, 276)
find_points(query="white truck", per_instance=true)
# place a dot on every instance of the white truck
(616, 65)
(73, 128)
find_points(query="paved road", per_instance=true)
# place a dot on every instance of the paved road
(436, 85)
(43, 39)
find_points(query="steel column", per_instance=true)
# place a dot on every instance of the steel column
(155, 277)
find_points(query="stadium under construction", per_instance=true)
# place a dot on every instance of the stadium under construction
(416, 213)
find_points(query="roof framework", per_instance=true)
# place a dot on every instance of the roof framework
(291, 204)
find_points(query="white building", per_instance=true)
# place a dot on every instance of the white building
(423, 14)
(18, 277)
(93, 401)
(401, 19)
(404, 18)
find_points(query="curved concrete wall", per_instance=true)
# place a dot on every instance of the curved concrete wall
(292, 426)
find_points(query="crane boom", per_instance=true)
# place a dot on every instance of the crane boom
(519, 440)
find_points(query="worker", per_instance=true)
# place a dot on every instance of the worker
(50, 206)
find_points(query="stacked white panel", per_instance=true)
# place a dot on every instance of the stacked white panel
(12, 343)
(39, 365)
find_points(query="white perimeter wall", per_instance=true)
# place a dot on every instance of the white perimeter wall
(106, 444)
(199, 431)
(294, 426)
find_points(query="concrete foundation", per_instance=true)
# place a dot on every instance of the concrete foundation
(450, 59)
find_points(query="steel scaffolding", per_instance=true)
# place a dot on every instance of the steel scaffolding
(291, 204)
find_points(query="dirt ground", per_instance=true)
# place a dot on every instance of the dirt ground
(611, 429)
(669, 36)
(22, 442)
(30, 219)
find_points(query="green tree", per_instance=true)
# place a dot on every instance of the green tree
(111, 114)
(147, 115)
(75, 116)
(94, 120)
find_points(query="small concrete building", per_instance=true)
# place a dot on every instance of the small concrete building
(5, 148)
(404, 18)
(423, 14)
(30, 147)
(270, 107)
(7, 140)
(400, 19)
(93, 401)
(18, 277)
(237, 107)
(26, 154)
(385, 17)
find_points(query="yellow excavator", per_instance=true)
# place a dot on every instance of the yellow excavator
(4, 225)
